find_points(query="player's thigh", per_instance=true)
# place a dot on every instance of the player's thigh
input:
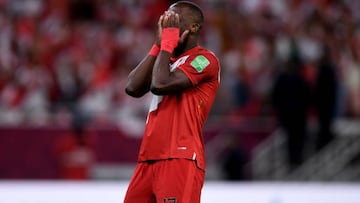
(178, 181)
(140, 186)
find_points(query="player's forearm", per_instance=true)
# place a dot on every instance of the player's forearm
(161, 72)
(139, 79)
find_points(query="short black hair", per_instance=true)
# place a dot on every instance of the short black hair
(198, 15)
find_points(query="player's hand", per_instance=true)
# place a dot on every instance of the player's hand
(171, 19)
(159, 30)
(170, 25)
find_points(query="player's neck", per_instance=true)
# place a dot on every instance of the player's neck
(190, 43)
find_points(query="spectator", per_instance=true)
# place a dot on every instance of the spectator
(325, 100)
(352, 84)
(234, 160)
(290, 96)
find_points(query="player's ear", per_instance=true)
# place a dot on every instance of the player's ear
(195, 27)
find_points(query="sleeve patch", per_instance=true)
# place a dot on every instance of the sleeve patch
(200, 63)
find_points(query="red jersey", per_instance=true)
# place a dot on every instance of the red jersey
(174, 124)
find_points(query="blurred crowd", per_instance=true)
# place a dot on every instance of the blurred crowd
(70, 58)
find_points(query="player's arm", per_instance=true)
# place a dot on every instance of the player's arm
(163, 80)
(166, 82)
(139, 79)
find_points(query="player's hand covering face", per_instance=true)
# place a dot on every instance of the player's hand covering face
(171, 19)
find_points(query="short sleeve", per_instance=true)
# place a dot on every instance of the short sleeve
(201, 67)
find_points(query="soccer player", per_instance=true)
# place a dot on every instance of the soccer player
(183, 78)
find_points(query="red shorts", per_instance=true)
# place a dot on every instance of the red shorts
(166, 181)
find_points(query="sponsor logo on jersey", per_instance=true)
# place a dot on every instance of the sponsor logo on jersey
(200, 63)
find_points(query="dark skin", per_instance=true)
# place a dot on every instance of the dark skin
(153, 73)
